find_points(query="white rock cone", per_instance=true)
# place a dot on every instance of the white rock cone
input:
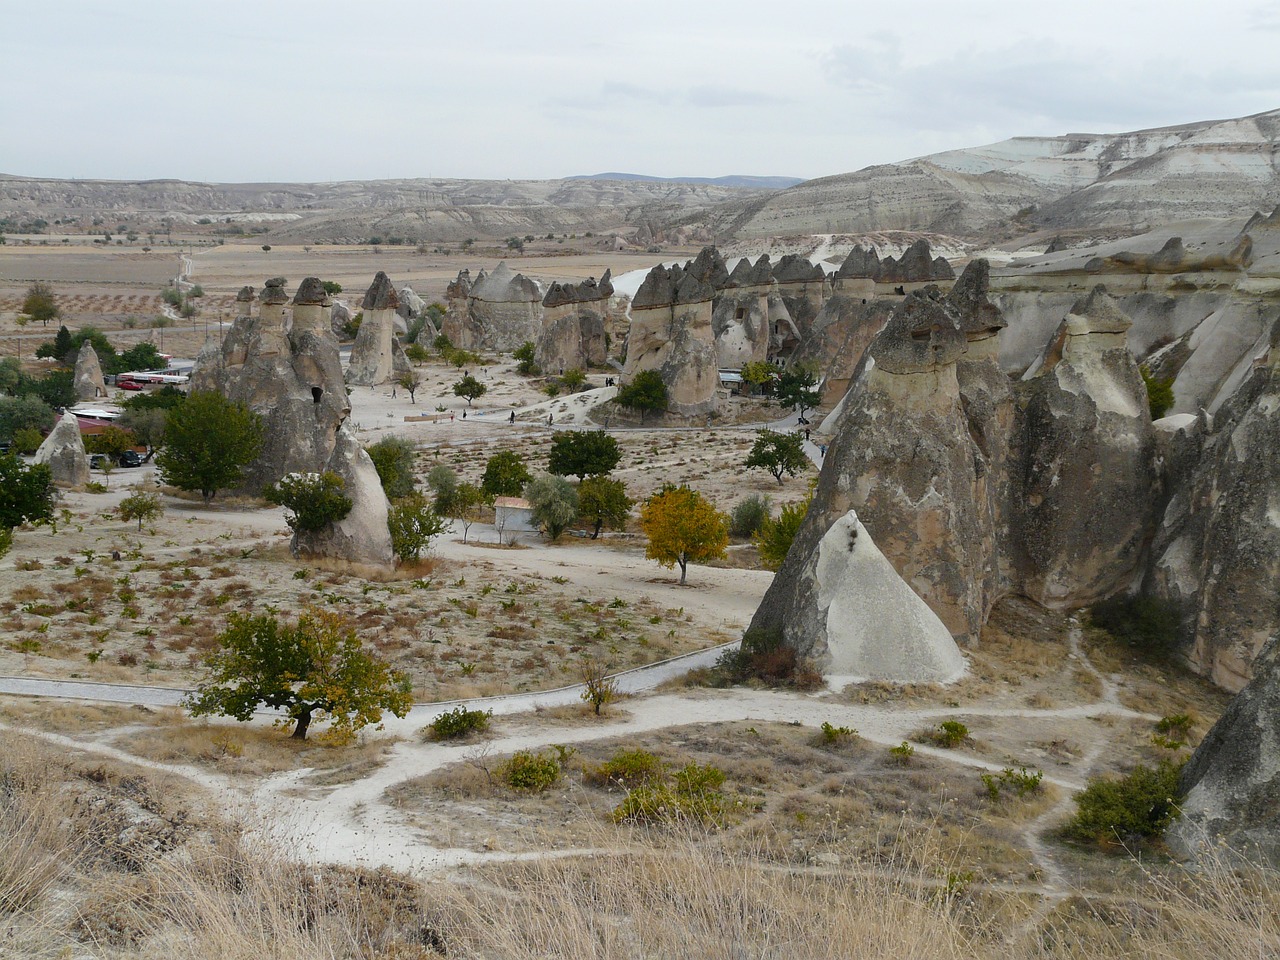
(877, 627)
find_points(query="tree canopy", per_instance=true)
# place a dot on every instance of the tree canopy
(414, 523)
(314, 500)
(645, 393)
(603, 502)
(19, 413)
(554, 502)
(682, 525)
(505, 475)
(39, 304)
(314, 669)
(797, 387)
(778, 453)
(209, 440)
(393, 459)
(469, 388)
(26, 492)
(583, 453)
(774, 538)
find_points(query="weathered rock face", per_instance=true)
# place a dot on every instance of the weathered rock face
(339, 317)
(1085, 462)
(838, 340)
(88, 381)
(1216, 554)
(575, 321)
(671, 333)
(917, 265)
(740, 325)
(374, 355)
(499, 311)
(362, 535)
(803, 287)
(870, 624)
(1174, 257)
(1232, 780)
(411, 305)
(63, 451)
(905, 459)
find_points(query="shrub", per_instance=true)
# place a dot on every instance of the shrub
(443, 482)
(950, 734)
(774, 537)
(748, 516)
(1136, 807)
(694, 795)
(1172, 732)
(598, 688)
(314, 499)
(530, 772)
(630, 769)
(1019, 782)
(1150, 626)
(525, 364)
(764, 656)
(902, 753)
(458, 722)
(1159, 392)
(832, 736)
(27, 440)
(413, 524)
(393, 459)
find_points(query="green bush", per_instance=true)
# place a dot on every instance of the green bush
(458, 722)
(1152, 627)
(694, 795)
(27, 440)
(1173, 732)
(630, 769)
(530, 772)
(748, 517)
(764, 656)
(902, 753)
(832, 736)
(315, 499)
(525, 364)
(1159, 392)
(950, 734)
(1137, 807)
(1018, 781)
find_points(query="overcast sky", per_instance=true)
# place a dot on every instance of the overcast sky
(277, 90)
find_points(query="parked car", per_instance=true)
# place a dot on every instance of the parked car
(130, 458)
(97, 461)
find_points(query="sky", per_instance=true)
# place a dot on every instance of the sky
(285, 91)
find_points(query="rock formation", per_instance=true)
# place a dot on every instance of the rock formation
(411, 305)
(1231, 782)
(866, 620)
(671, 333)
(1174, 257)
(1216, 555)
(63, 451)
(339, 317)
(499, 311)
(89, 384)
(917, 265)
(377, 356)
(1085, 462)
(290, 374)
(575, 325)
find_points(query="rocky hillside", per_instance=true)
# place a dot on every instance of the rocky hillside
(420, 209)
(1128, 180)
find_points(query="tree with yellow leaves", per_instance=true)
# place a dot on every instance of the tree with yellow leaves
(682, 525)
(314, 669)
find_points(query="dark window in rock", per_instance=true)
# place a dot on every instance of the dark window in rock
(316, 394)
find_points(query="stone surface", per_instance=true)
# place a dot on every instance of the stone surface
(362, 536)
(1231, 782)
(916, 265)
(339, 317)
(89, 384)
(671, 332)
(498, 311)
(63, 451)
(575, 322)
(374, 354)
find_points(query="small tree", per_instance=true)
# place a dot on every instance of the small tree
(28, 412)
(112, 442)
(603, 502)
(759, 376)
(147, 427)
(748, 516)
(410, 380)
(775, 536)
(314, 500)
(554, 502)
(140, 506)
(416, 353)
(393, 459)
(1159, 392)
(469, 388)
(330, 286)
(209, 440)
(583, 453)
(505, 475)
(797, 388)
(778, 453)
(414, 524)
(314, 669)
(598, 688)
(442, 481)
(574, 380)
(525, 365)
(646, 393)
(467, 504)
(26, 492)
(39, 304)
(682, 525)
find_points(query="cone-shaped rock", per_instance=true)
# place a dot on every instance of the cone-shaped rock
(63, 451)
(89, 384)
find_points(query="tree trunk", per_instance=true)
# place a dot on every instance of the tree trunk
(596, 534)
(684, 567)
(304, 721)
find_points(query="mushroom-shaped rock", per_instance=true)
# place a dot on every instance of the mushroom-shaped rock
(373, 357)
(874, 626)
(381, 295)
(63, 451)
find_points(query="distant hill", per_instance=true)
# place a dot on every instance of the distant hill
(752, 183)
(1214, 168)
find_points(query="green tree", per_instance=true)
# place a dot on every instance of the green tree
(112, 442)
(142, 356)
(393, 459)
(442, 481)
(554, 502)
(466, 505)
(209, 440)
(416, 353)
(166, 398)
(10, 375)
(646, 393)
(1159, 392)
(414, 524)
(60, 348)
(39, 303)
(778, 453)
(24, 413)
(331, 286)
(314, 501)
(140, 506)
(147, 427)
(574, 379)
(775, 536)
(410, 380)
(798, 387)
(748, 516)
(683, 525)
(469, 388)
(27, 440)
(603, 502)
(314, 669)
(759, 376)
(505, 475)
(26, 492)
(57, 388)
(525, 364)
(583, 453)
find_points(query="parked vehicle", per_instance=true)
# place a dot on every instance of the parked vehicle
(130, 458)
